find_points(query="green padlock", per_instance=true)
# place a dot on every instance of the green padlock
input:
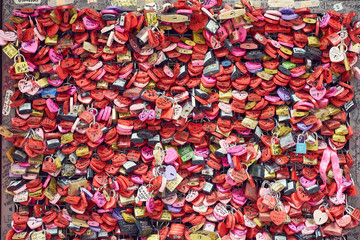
(288, 65)
(186, 153)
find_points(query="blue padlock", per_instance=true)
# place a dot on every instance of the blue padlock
(49, 92)
(301, 145)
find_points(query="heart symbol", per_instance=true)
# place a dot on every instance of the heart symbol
(198, 21)
(94, 134)
(55, 58)
(343, 221)
(318, 93)
(240, 176)
(99, 199)
(180, 28)
(171, 155)
(170, 173)
(24, 86)
(34, 222)
(143, 116)
(336, 55)
(320, 217)
(35, 88)
(261, 206)
(30, 46)
(278, 217)
(302, 194)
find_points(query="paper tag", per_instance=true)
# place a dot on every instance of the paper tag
(338, 7)
(6, 107)
(10, 51)
(55, 3)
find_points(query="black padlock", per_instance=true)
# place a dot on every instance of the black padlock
(236, 73)
(183, 72)
(212, 69)
(197, 160)
(205, 107)
(209, 58)
(136, 139)
(313, 189)
(68, 117)
(255, 54)
(208, 188)
(109, 17)
(200, 93)
(284, 70)
(228, 45)
(299, 52)
(129, 166)
(271, 167)
(220, 153)
(25, 108)
(128, 228)
(154, 140)
(349, 106)
(19, 155)
(144, 228)
(89, 173)
(226, 115)
(313, 53)
(257, 170)
(119, 84)
(53, 143)
(146, 133)
(290, 188)
(73, 227)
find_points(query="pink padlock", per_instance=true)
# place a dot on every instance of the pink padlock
(52, 106)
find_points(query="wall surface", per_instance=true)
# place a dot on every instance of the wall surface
(7, 206)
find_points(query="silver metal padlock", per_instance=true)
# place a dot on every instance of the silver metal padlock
(212, 26)
(208, 188)
(187, 109)
(53, 143)
(183, 72)
(200, 93)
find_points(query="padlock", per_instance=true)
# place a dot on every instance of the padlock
(25, 108)
(257, 170)
(300, 144)
(144, 228)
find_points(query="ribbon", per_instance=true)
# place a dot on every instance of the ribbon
(330, 155)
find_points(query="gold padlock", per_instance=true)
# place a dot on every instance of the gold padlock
(275, 149)
(51, 41)
(338, 138)
(82, 150)
(308, 161)
(20, 67)
(313, 41)
(249, 123)
(341, 130)
(333, 110)
(282, 110)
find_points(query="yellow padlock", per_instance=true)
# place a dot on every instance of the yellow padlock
(20, 67)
